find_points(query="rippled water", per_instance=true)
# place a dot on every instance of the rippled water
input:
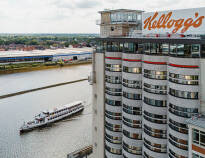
(51, 142)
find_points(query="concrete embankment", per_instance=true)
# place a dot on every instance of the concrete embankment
(41, 66)
(41, 88)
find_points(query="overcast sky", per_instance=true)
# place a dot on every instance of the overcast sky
(72, 16)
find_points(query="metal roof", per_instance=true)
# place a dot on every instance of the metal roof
(119, 10)
(198, 121)
(45, 53)
(153, 40)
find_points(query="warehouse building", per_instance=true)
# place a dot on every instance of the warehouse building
(69, 54)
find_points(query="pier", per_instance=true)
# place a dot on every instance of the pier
(81, 153)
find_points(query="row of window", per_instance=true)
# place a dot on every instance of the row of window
(113, 102)
(183, 94)
(132, 135)
(156, 89)
(173, 154)
(197, 156)
(179, 50)
(183, 112)
(179, 143)
(132, 96)
(147, 156)
(132, 123)
(132, 84)
(113, 79)
(155, 132)
(112, 115)
(114, 128)
(160, 119)
(153, 74)
(134, 70)
(198, 137)
(114, 140)
(160, 148)
(179, 127)
(184, 79)
(113, 150)
(132, 149)
(113, 91)
(132, 110)
(113, 67)
(153, 102)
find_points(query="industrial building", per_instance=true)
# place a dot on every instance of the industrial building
(69, 54)
(147, 81)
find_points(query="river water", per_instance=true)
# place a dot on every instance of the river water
(50, 142)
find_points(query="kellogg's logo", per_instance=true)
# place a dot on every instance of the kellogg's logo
(165, 21)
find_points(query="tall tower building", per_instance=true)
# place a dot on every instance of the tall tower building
(148, 76)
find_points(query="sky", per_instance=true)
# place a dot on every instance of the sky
(72, 16)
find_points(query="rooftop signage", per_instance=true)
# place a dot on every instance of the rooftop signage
(186, 21)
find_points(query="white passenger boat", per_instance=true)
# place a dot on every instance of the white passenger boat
(50, 116)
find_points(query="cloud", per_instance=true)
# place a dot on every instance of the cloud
(72, 15)
(87, 3)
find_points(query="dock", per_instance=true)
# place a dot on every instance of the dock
(81, 153)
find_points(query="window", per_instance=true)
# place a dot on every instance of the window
(113, 150)
(112, 127)
(132, 123)
(113, 67)
(112, 115)
(153, 102)
(181, 111)
(129, 47)
(135, 136)
(179, 143)
(114, 140)
(184, 79)
(132, 110)
(180, 127)
(112, 102)
(183, 94)
(113, 91)
(160, 148)
(155, 132)
(158, 75)
(196, 156)
(132, 149)
(198, 137)
(132, 84)
(134, 70)
(112, 46)
(132, 96)
(113, 79)
(159, 119)
(156, 89)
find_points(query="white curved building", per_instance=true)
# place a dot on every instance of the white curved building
(146, 86)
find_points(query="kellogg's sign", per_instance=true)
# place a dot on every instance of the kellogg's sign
(186, 21)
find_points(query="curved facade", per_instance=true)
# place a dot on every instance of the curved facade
(150, 90)
(155, 106)
(183, 83)
(132, 104)
(113, 105)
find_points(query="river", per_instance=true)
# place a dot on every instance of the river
(50, 142)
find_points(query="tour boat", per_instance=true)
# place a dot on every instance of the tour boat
(50, 116)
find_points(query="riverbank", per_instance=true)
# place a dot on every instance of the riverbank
(26, 67)
(40, 88)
